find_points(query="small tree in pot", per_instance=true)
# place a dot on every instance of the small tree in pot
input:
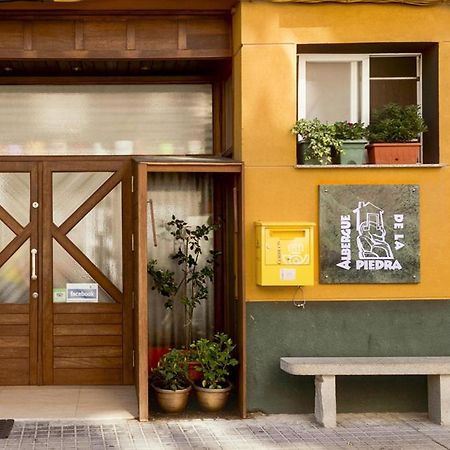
(170, 381)
(393, 134)
(190, 285)
(215, 359)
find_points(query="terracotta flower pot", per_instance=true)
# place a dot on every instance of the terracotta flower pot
(193, 374)
(155, 354)
(212, 400)
(394, 153)
(172, 401)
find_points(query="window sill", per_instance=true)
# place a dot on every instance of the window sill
(371, 166)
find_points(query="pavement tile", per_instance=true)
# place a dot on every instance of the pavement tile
(286, 432)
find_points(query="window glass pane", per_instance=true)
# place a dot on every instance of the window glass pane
(329, 91)
(383, 92)
(15, 277)
(6, 236)
(67, 270)
(99, 236)
(399, 66)
(72, 189)
(106, 119)
(15, 195)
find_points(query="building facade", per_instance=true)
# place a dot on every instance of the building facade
(117, 115)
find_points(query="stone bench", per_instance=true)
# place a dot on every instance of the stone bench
(325, 370)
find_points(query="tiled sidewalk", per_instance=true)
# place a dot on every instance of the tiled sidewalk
(355, 431)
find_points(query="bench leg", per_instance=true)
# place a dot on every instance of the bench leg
(325, 402)
(439, 399)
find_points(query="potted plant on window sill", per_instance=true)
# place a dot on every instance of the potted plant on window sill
(215, 358)
(394, 135)
(353, 138)
(170, 381)
(318, 144)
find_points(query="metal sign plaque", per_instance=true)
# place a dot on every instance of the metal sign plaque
(369, 233)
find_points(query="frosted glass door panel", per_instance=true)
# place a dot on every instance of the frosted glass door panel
(99, 236)
(106, 120)
(15, 277)
(67, 270)
(188, 197)
(6, 235)
(329, 91)
(15, 195)
(72, 189)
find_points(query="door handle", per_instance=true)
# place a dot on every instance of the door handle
(152, 218)
(33, 264)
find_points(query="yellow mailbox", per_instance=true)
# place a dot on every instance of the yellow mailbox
(285, 253)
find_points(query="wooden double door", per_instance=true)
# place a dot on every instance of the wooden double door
(65, 271)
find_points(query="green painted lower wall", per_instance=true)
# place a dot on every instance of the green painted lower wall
(394, 328)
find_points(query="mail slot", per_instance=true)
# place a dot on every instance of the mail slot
(285, 253)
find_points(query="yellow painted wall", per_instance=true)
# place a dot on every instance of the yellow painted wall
(265, 40)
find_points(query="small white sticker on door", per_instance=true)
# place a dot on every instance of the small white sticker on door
(59, 295)
(288, 274)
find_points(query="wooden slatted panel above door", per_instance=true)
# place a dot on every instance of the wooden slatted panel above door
(53, 36)
(88, 344)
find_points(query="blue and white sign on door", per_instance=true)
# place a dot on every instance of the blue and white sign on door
(82, 292)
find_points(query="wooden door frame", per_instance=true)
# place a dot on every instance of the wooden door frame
(122, 169)
(141, 171)
(30, 231)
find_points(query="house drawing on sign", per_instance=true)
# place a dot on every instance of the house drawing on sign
(371, 238)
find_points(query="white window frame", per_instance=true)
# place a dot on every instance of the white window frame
(353, 59)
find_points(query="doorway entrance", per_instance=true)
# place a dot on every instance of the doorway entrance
(197, 189)
(65, 272)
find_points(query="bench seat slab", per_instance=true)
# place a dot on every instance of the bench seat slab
(371, 365)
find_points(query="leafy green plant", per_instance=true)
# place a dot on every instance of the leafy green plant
(190, 286)
(321, 138)
(215, 358)
(350, 131)
(396, 123)
(171, 373)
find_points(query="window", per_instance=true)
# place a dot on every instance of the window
(143, 119)
(334, 87)
(350, 86)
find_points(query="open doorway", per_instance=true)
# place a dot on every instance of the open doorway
(206, 191)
